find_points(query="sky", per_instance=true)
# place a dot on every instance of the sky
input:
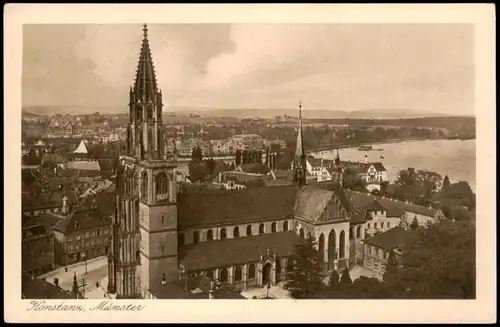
(419, 67)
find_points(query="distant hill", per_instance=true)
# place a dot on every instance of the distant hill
(242, 113)
(310, 114)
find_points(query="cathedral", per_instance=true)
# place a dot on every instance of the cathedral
(238, 238)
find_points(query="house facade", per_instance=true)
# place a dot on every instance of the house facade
(37, 247)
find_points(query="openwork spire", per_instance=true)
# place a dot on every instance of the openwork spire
(299, 151)
(145, 87)
(299, 162)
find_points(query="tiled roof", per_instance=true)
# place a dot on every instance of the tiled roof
(311, 203)
(48, 199)
(34, 231)
(315, 162)
(221, 253)
(55, 158)
(41, 289)
(394, 208)
(49, 220)
(377, 165)
(359, 216)
(392, 238)
(105, 164)
(234, 206)
(83, 165)
(337, 189)
(31, 160)
(85, 217)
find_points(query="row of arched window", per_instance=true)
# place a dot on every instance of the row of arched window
(382, 225)
(236, 233)
(237, 276)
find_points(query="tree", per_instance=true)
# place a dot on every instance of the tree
(238, 157)
(446, 183)
(198, 171)
(392, 265)
(197, 154)
(440, 264)
(345, 279)
(414, 224)
(305, 279)
(351, 180)
(210, 165)
(334, 279)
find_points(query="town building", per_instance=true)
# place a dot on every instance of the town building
(377, 249)
(84, 232)
(37, 247)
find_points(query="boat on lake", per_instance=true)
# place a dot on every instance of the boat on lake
(365, 148)
(368, 148)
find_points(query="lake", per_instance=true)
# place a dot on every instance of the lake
(455, 158)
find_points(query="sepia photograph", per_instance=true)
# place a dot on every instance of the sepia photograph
(253, 160)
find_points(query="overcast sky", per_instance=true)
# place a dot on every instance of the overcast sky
(429, 68)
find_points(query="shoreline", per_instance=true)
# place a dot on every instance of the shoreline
(388, 141)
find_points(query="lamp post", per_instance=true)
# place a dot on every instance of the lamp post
(268, 287)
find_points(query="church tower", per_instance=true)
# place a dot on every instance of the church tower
(144, 239)
(299, 161)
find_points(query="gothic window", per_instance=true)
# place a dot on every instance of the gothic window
(285, 226)
(273, 228)
(223, 235)
(150, 138)
(130, 144)
(196, 237)
(210, 235)
(388, 225)
(158, 137)
(251, 271)
(236, 232)
(150, 112)
(261, 229)
(139, 114)
(223, 275)
(301, 234)
(180, 238)
(358, 232)
(237, 274)
(161, 184)
(144, 185)
(249, 230)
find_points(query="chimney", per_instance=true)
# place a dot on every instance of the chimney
(366, 158)
(321, 162)
(65, 204)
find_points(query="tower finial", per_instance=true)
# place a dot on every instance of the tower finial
(300, 109)
(145, 30)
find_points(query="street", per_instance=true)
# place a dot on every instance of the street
(97, 271)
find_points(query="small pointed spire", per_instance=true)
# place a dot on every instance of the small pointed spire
(145, 30)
